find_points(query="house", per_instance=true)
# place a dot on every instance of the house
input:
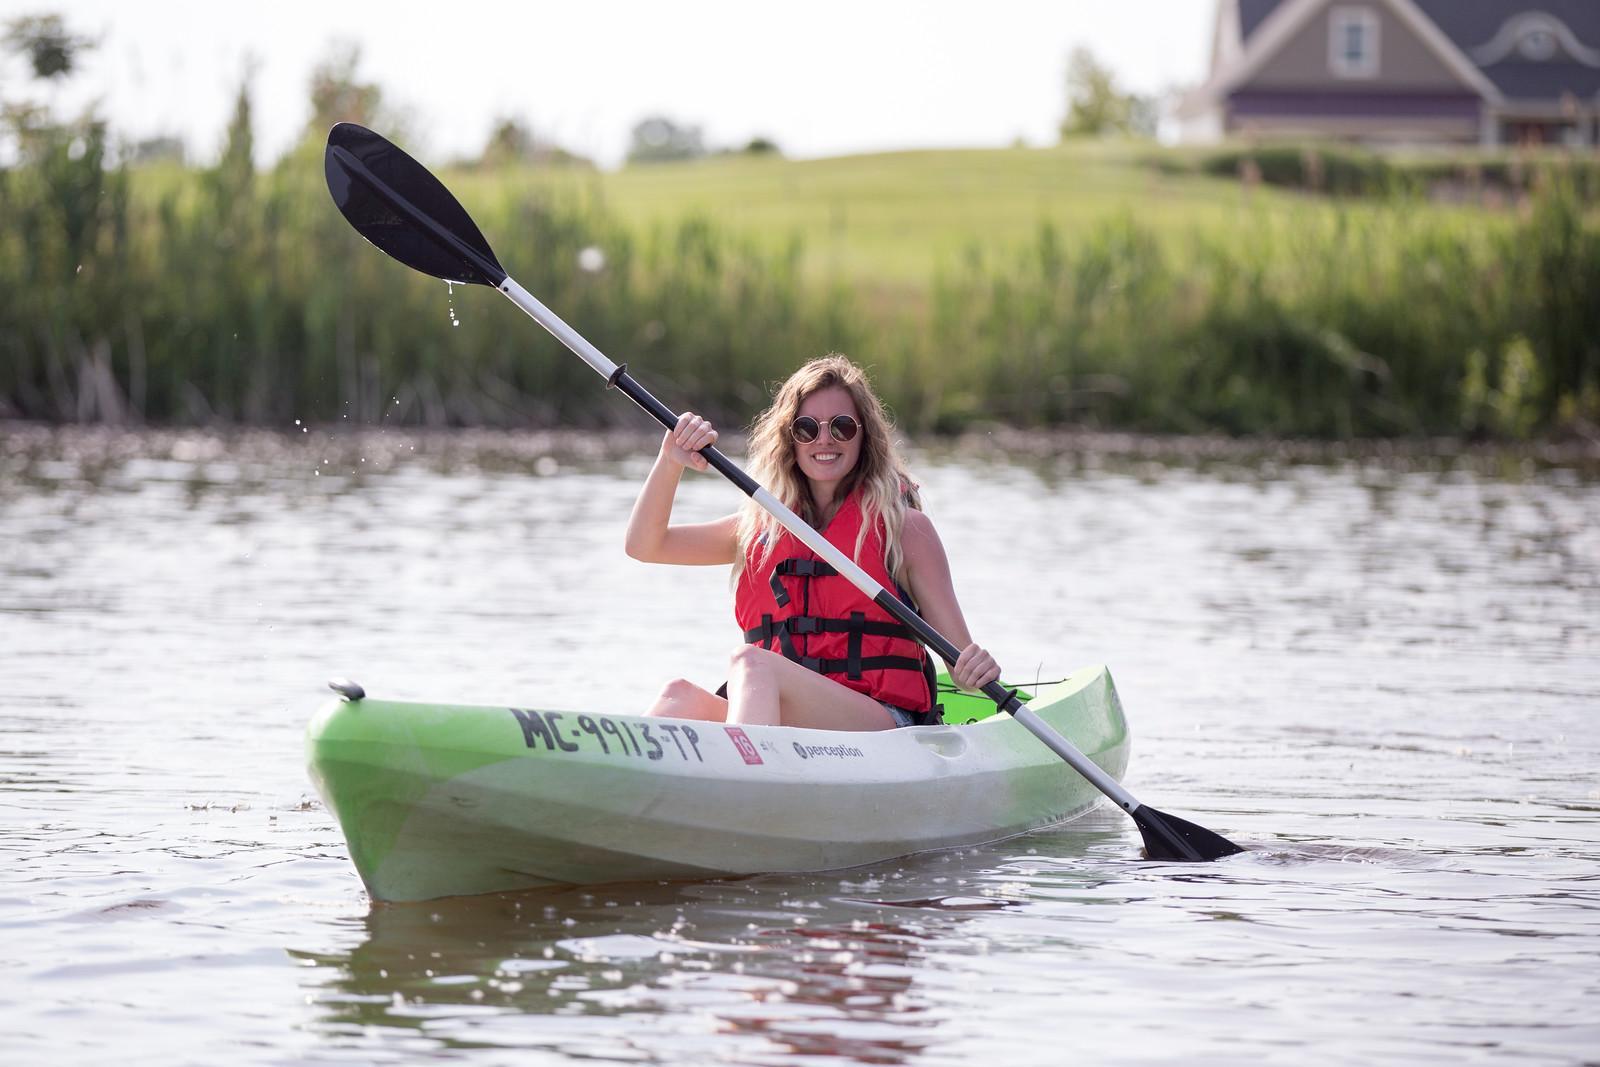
(1487, 72)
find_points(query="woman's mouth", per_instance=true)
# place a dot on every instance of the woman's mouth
(825, 457)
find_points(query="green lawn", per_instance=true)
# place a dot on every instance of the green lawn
(892, 220)
(1163, 299)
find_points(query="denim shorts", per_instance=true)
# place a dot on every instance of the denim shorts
(900, 715)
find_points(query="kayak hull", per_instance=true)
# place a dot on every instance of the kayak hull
(447, 800)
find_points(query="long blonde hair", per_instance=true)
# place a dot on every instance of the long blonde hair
(886, 489)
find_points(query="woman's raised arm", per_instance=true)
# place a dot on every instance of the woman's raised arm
(651, 536)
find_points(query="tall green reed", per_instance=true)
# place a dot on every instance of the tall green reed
(1334, 323)
(232, 294)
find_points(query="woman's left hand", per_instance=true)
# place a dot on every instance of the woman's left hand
(974, 668)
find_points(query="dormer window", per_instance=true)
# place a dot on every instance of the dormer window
(1537, 44)
(1535, 37)
(1353, 42)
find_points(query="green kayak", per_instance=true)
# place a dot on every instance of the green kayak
(444, 800)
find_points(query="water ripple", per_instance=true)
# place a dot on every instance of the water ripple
(1378, 673)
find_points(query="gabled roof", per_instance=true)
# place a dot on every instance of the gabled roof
(1275, 23)
(1471, 27)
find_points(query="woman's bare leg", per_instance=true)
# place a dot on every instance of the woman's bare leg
(764, 689)
(682, 699)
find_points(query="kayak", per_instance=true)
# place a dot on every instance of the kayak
(443, 800)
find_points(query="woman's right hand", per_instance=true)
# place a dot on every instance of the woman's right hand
(682, 443)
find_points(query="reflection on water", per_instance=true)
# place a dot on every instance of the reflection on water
(831, 965)
(1378, 670)
(837, 979)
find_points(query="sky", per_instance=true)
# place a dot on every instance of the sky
(821, 78)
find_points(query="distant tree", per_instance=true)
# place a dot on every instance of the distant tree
(658, 139)
(29, 128)
(233, 178)
(1144, 115)
(1096, 106)
(762, 146)
(238, 151)
(513, 141)
(510, 141)
(336, 93)
(162, 148)
(51, 50)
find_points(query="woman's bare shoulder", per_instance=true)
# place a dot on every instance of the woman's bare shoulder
(917, 522)
(918, 535)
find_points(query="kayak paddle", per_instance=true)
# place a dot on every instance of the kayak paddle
(395, 203)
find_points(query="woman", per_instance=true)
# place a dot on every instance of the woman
(821, 654)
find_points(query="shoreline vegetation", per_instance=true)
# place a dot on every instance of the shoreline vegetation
(1110, 294)
(34, 452)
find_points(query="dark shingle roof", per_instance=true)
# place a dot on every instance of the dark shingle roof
(1544, 81)
(1470, 24)
(1252, 13)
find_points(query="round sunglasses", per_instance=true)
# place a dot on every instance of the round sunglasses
(840, 428)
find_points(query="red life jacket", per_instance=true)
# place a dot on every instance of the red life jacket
(790, 598)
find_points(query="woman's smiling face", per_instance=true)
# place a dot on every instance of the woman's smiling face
(827, 460)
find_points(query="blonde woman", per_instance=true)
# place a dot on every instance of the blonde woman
(819, 652)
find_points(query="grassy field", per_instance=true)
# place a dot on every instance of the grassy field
(891, 221)
(1093, 284)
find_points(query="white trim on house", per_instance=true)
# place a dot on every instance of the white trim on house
(1344, 62)
(1446, 49)
(1227, 37)
(1272, 33)
(1290, 17)
(1275, 31)
(1518, 27)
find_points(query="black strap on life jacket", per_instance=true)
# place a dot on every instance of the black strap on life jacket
(800, 625)
(855, 626)
(853, 668)
(854, 662)
(797, 568)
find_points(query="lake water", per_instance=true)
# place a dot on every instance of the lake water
(1382, 674)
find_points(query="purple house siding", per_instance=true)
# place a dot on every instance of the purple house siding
(1446, 71)
(1319, 104)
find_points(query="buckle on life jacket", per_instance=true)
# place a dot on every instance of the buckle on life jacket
(796, 568)
(769, 631)
(803, 625)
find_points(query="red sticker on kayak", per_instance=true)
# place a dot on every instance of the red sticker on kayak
(742, 742)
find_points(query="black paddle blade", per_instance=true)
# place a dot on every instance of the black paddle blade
(394, 202)
(1167, 837)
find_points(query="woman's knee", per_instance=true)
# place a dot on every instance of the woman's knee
(682, 699)
(679, 689)
(752, 659)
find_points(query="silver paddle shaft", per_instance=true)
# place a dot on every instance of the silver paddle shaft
(617, 376)
(558, 328)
